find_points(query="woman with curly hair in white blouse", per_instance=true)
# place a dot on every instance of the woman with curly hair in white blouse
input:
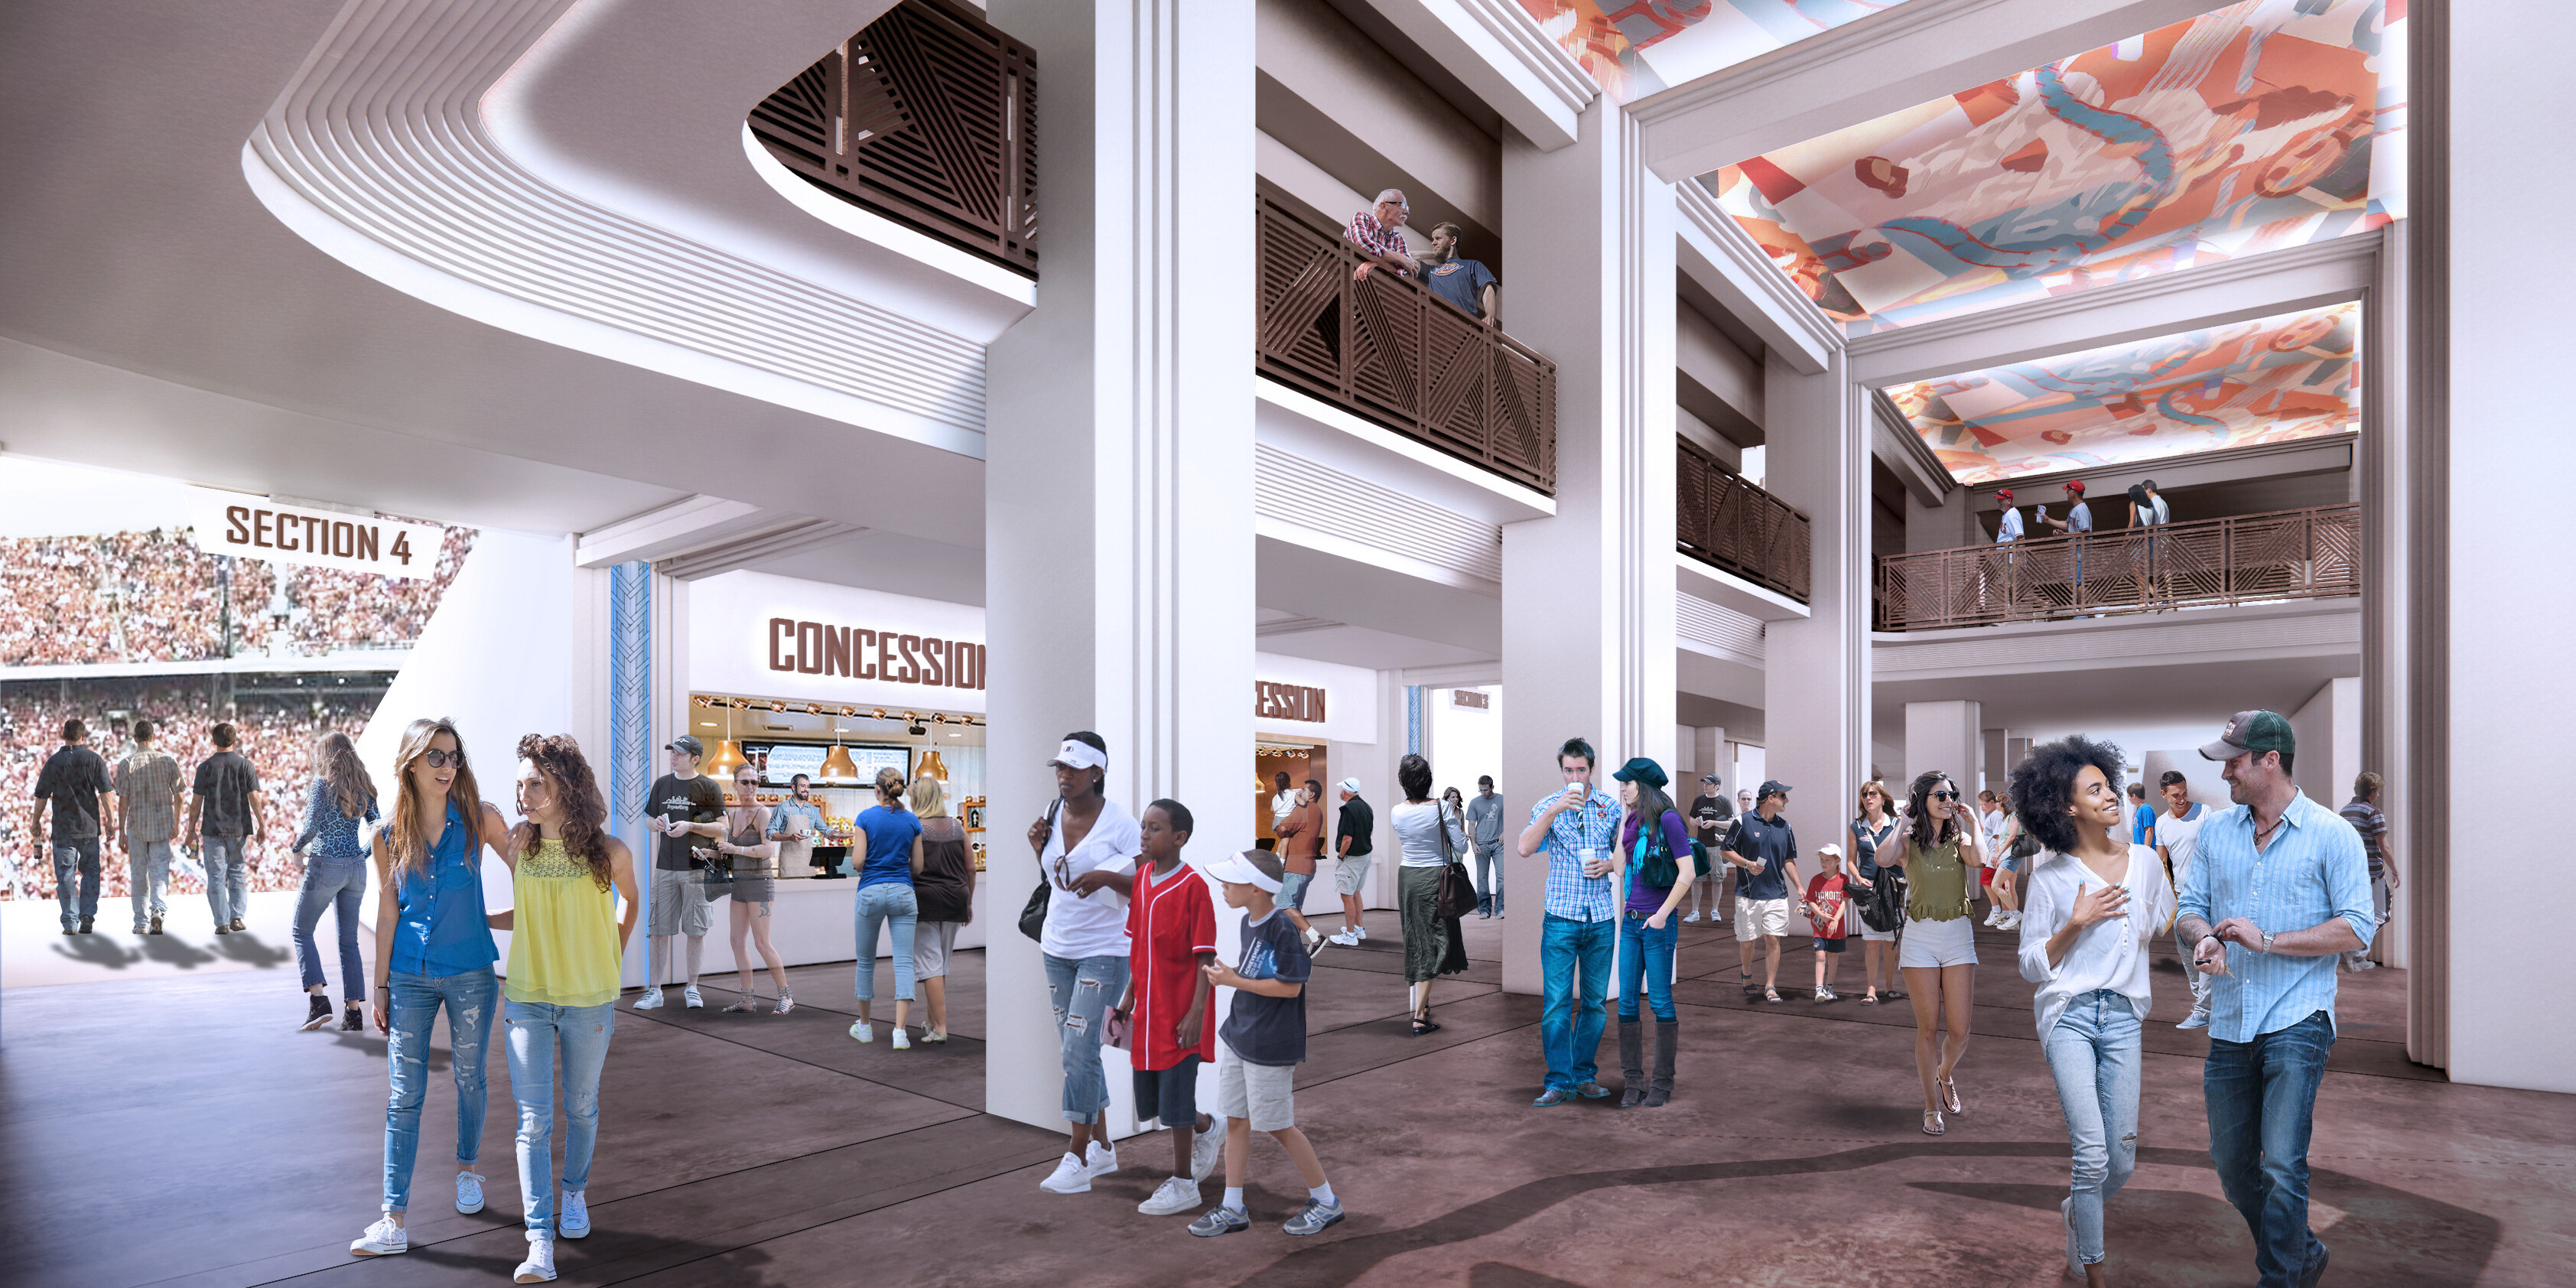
(2096, 902)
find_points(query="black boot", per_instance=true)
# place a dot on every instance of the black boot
(1668, 1035)
(1632, 1062)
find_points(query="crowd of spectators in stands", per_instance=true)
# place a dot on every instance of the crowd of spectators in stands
(154, 596)
(276, 733)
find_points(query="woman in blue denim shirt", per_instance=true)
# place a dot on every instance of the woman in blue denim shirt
(335, 874)
(433, 948)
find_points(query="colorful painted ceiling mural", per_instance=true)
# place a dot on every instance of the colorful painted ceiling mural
(2263, 125)
(2267, 381)
(1633, 48)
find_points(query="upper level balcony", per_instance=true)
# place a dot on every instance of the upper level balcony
(928, 117)
(1386, 349)
(2312, 553)
(1727, 521)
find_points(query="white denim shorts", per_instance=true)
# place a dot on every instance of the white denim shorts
(1939, 943)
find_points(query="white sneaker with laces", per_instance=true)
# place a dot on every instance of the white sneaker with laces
(2198, 1019)
(1173, 1197)
(383, 1239)
(1103, 1159)
(652, 999)
(863, 1031)
(1207, 1149)
(1346, 939)
(1689, 918)
(469, 1192)
(1069, 1177)
(902, 1039)
(690, 994)
(572, 1219)
(540, 1265)
(1361, 931)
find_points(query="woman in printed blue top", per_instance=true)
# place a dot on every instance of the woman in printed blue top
(335, 875)
(433, 948)
(1656, 845)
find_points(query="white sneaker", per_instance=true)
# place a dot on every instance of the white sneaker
(1207, 1149)
(651, 1000)
(383, 1239)
(2198, 1019)
(1314, 940)
(1103, 1159)
(1992, 914)
(1346, 939)
(1069, 1177)
(469, 1192)
(1360, 931)
(572, 1218)
(902, 1039)
(863, 1031)
(691, 995)
(1173, 1197)
(540, 1265)
(1689, 918)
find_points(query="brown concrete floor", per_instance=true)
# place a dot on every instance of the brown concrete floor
(177, 1131)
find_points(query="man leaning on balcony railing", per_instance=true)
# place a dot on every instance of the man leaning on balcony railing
(1373, 232)
(1466, 283)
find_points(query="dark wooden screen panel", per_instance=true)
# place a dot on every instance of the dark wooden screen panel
(2287, 554)
(1389, 350)
(1727, 521)
(928, 117)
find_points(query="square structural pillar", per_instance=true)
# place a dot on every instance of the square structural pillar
(1815, 680)
(1942, 736)
(1588, 594)
(1118, 477)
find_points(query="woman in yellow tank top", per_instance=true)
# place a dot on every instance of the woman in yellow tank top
(567, 951)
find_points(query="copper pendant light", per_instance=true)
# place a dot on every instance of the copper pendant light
(728, 759)
(837, 766)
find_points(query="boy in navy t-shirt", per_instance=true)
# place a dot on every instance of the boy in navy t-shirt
(1260, 1045)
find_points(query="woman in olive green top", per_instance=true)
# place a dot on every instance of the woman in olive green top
(1938, 949)
(567, 950)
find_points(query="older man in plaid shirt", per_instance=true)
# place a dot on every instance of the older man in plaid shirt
(147, 785)
(1579, 829)
(1373, 231)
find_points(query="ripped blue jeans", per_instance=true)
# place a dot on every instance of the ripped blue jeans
(1082, 991)
(473, 1000)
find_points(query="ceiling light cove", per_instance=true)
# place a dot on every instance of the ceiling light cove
(2260, 126)
(2271, 380)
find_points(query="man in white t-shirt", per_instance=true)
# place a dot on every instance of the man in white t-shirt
(2177, 833)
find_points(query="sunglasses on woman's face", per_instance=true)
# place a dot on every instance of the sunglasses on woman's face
(1945, 796)
(436, 759)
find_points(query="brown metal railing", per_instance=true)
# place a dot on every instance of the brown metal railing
(928, 117)
(1727, 520)
(2285, 554)
(1389, 350)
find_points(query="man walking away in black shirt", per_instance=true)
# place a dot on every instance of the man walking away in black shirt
(74, 781)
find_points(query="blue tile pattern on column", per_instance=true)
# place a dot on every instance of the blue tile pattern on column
(630, 688)
(1413, 719)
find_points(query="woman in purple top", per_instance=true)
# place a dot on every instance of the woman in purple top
(1657, 848)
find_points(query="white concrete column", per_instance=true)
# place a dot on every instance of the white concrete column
(1119, 459)
(1588, 594)
(1816, 668)
(1998, 769)
(1942, 736)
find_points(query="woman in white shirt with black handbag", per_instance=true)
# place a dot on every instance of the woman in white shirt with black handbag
(2096, 902)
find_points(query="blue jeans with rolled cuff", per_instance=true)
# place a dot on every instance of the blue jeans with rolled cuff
(2093, 1054)
(470, 997)
(1082, 991)
(336, 884)
(891, 904)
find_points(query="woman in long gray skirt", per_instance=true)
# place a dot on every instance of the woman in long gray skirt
(1428, 833)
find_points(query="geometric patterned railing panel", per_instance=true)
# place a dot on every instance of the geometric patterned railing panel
(928, 117)
(1389, 350)
(1726, 520)
(2286, 554)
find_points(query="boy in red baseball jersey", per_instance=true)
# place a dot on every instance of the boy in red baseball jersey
(1171, 927)
(1827, 904)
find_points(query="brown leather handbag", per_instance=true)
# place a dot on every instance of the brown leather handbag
(1457, 897)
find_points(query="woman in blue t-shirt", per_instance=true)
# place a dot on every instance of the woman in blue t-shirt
(886, 898)
(433, 949)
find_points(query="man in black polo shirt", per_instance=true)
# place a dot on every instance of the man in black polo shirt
(1353, 848)
(73, 781)
(1764, 849)
(1466, 283)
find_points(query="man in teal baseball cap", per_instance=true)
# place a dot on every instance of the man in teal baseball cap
(2249, 908)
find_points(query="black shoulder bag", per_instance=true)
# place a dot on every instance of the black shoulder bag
(1457, 896)
(1033, 913)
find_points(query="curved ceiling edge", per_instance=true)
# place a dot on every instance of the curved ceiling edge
(376, 152)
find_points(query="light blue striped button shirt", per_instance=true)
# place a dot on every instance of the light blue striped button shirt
(2313, 870)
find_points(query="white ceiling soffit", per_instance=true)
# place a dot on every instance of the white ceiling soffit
(1717, 253)
(1887, 62)
(1500, 53)
(2334, 271)
(378, 152)
(1896, 441)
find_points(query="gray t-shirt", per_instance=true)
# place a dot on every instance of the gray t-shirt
(1485, 814)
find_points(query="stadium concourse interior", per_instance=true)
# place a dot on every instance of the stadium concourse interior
(1290, 388)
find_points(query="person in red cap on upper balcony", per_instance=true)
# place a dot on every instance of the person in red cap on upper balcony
(2077, 523)
(2008, 528)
